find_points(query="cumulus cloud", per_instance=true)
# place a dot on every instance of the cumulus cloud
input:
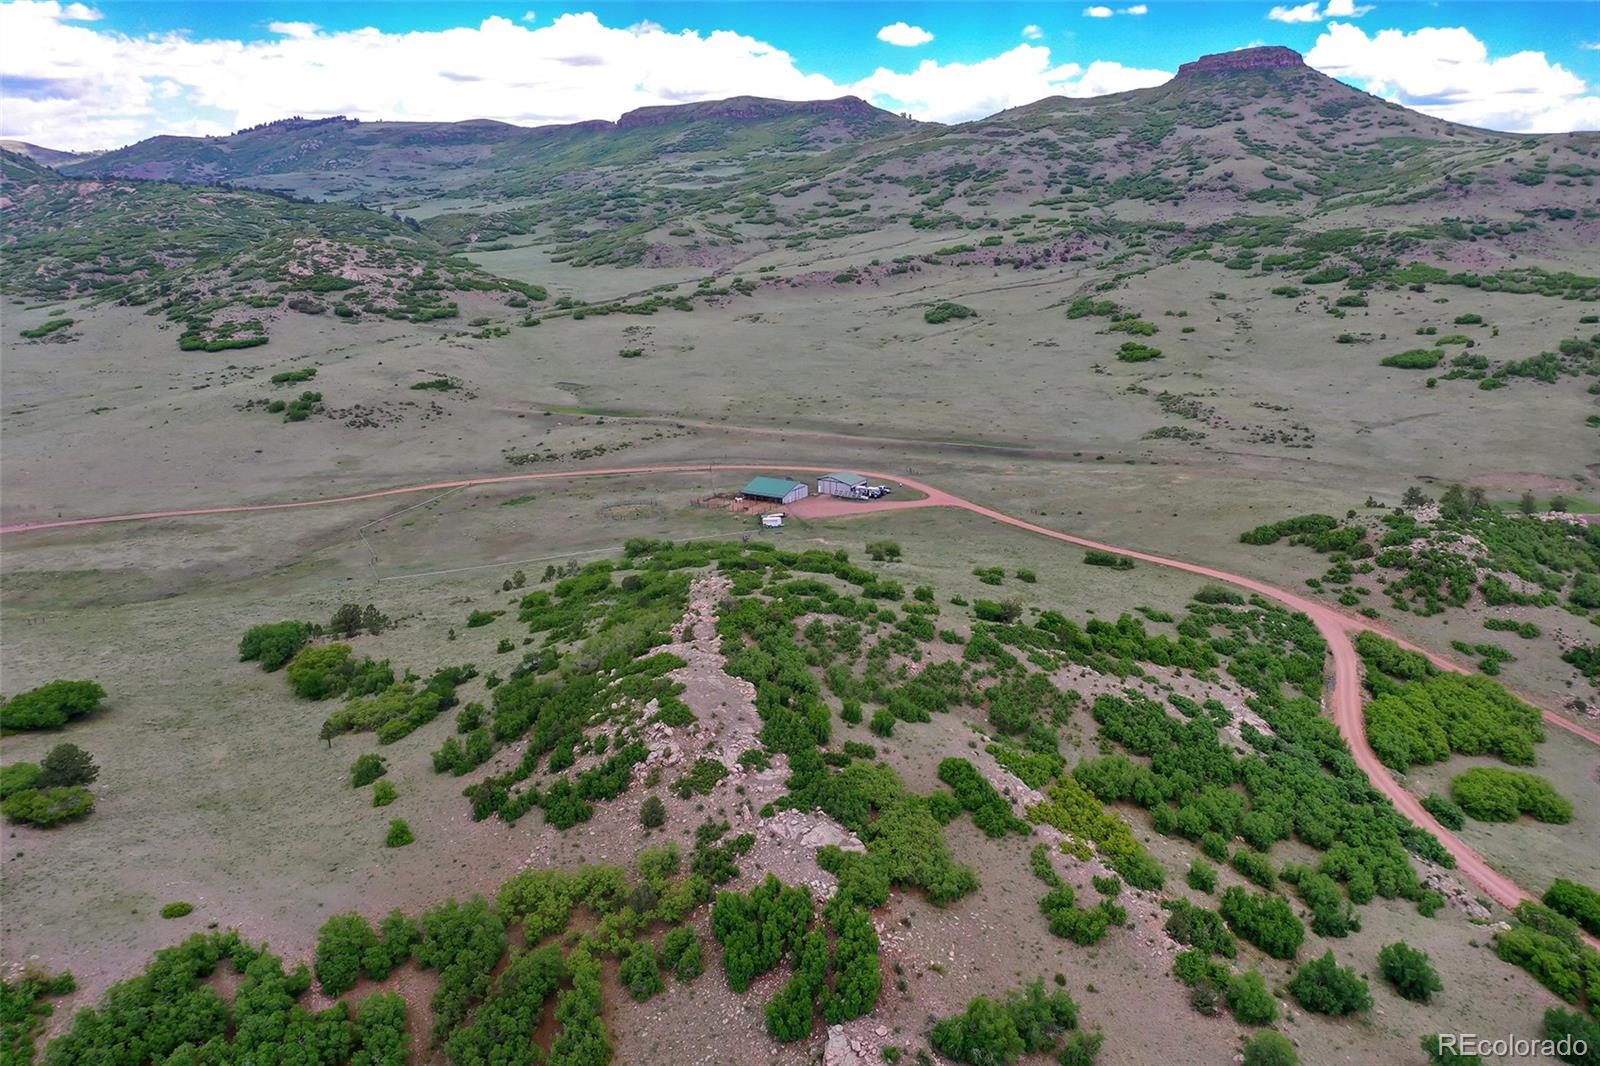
(1136, 9)
(294, 29)
(1449, 73)
(73, 85)
(1311, 12)
(1100, 11)
(958, 92)
(1032, 32)
(898, 33)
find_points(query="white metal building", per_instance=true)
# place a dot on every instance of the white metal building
(842, 483)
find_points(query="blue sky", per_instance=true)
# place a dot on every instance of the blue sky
(99, 74)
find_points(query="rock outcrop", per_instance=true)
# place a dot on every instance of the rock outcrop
(1270, 57)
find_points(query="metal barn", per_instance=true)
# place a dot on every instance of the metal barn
(842, 483)
(775, 489)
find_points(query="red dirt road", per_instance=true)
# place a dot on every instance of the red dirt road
(1336, 627)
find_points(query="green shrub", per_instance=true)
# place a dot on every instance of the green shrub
(19, 777)
(1415, 359)
(50, 706)
(384, 793)
(1254, 867)
(1449, 814)
(1578, 902)
(1322, 986)
(1568, 1028)
(1097, 557)
(1250, 1001)
(1202, 876)
(318, 673)
(653, 813)
(273, 644)
(758, 928)
(640, 972)
(343, 942)
(46, 807)
(177, 910)
(463, 942)
(367, 769)
(399, 834)
(680, 953)
(1266, 921)
(945, 311)
(991, 1032)
(1270, 1048)
(700, 778)
(47, 328)
(1134, 352)
(503, 1028)
(882, 722)
(1409, 971)
(1491, 794)
(66, 765)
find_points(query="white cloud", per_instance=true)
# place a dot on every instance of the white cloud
(1299, 13)
(529, 16)
(1098, 12)
(1448, 73)
(905, 36)
(1593, 46)
(71, 85)
(294, 29)
(958, 92)
(1032, 32)
(78, 13)
(1136, 9)
(1310, 12)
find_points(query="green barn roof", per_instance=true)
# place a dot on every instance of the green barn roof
(845, 477)
(776, 487)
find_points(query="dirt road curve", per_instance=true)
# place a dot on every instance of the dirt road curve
(1336, 627)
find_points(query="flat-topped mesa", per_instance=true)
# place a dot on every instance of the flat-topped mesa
(749, 107)
(1270, 57)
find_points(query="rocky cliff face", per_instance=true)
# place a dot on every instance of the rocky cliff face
(1272, 57)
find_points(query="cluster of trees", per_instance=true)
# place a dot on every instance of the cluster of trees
(761, 928)
(1423, 721)
(1073, 809)
(990, 810)
(273, 644)
(50, 706)
(502, 1029)
(1548, 945)
(392, 709)
(171, 1007)
(348, 949)
(1081, 925)
(1578, 902)
(991, 1032)
(1491, 794)
(50, 791)
(1266, 920)
(1212, 986)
